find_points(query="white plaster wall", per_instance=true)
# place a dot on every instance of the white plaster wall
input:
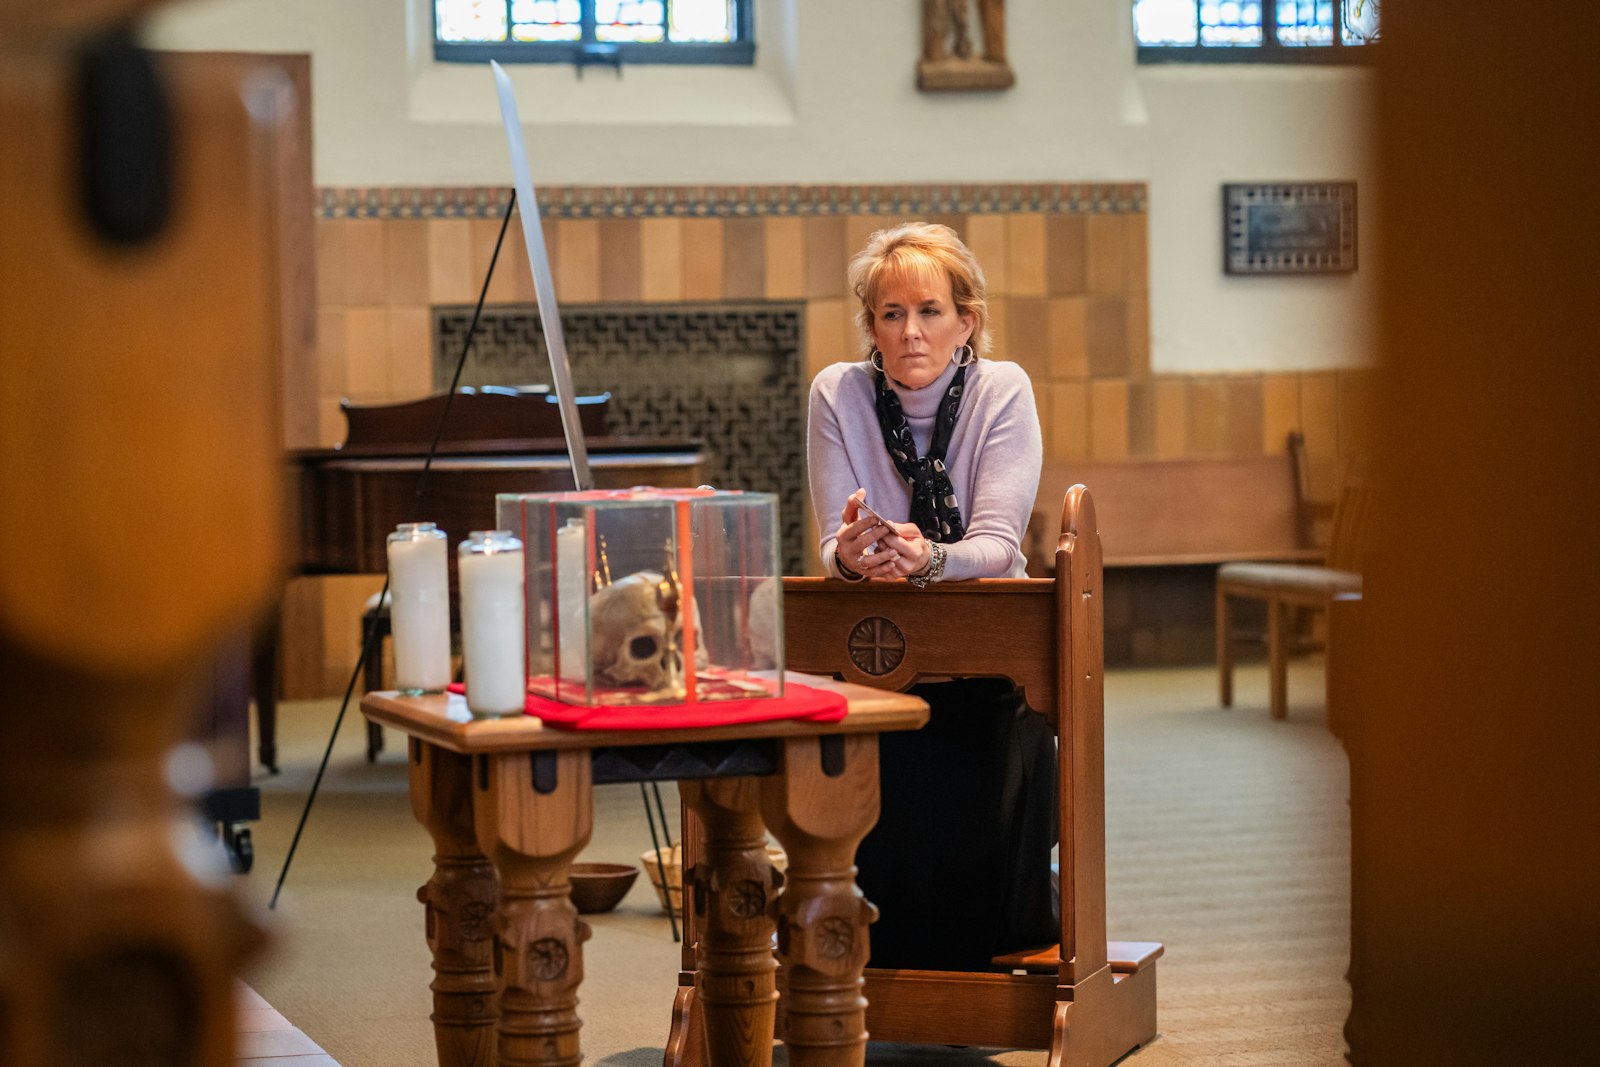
(832, 98)
(1208, 127)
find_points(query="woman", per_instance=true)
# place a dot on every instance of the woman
(959, 863)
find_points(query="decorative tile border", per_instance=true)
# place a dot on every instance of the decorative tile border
(734, 201)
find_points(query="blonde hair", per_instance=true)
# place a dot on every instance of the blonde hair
(923, 253)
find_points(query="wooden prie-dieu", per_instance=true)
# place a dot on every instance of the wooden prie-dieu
(1087, 1000)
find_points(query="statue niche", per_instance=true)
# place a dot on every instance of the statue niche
(950, 62)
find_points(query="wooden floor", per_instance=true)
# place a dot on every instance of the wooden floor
(267, 1039)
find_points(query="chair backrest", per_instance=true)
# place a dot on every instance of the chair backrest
(1305, 510)
(1045, 634)
(1347, 544)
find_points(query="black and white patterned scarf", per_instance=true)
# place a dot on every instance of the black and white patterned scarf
(933, 499)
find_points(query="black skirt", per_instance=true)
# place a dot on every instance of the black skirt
(959, 862)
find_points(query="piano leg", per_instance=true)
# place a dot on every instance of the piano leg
(264, 688)
(374, 628)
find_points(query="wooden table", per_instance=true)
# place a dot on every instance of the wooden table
(512, 798)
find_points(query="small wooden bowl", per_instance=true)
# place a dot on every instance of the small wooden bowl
(598, 887)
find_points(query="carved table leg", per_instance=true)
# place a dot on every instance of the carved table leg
(736, 986)
(820, 806)
(459, 899)
(534, 812)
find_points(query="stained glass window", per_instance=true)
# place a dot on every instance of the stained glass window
(582, 31)
(1305, 22)
(1260, 31)
(470, 20)
(546, 20)
(1230, 23)
(1360, 21)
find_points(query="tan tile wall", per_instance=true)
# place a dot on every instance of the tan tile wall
(1068, 294)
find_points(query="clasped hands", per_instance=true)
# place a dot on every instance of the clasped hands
(876, 549)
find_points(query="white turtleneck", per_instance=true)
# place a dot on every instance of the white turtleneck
(993, 460)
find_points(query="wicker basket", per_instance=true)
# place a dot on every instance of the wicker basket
(654, 861)
(672, 860)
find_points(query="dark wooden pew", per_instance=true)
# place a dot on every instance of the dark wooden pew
(1166, 525)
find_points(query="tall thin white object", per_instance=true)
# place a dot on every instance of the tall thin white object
(490, 566)
(419, 608)
(572, 600)
(543, 286)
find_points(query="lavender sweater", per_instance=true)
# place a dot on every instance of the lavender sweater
(993, 460)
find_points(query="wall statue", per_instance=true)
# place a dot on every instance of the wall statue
(950, 62)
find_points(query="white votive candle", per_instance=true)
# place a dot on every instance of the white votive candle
(489, 568)
(572, 598)
(419, 607)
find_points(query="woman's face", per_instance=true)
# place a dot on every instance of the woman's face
(916, 327)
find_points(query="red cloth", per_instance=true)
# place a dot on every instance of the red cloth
(797, 702)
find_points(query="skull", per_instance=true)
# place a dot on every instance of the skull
(636, 639)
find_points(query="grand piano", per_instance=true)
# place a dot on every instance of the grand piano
(494, 440)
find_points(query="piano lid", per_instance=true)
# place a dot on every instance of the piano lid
(478, 420)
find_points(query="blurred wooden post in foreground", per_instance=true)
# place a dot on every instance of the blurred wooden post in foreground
(139, 528)
(1475, 741)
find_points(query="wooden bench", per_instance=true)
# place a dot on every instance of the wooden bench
(1166, 524)
(1086, 1000)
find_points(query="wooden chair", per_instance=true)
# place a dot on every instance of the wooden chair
(1287, 587)
(1087, 1001)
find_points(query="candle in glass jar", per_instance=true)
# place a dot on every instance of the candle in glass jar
(490, 570)
(572, 600)
(419, 608)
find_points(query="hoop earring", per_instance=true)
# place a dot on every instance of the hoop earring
(967, 360)
(876, 359)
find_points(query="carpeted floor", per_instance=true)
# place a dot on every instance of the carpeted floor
(1227, 839)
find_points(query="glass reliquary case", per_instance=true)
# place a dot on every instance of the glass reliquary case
(650, 596)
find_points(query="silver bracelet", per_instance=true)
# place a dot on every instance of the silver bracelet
(935, 569)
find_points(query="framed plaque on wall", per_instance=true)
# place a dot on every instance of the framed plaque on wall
(1289, 228)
